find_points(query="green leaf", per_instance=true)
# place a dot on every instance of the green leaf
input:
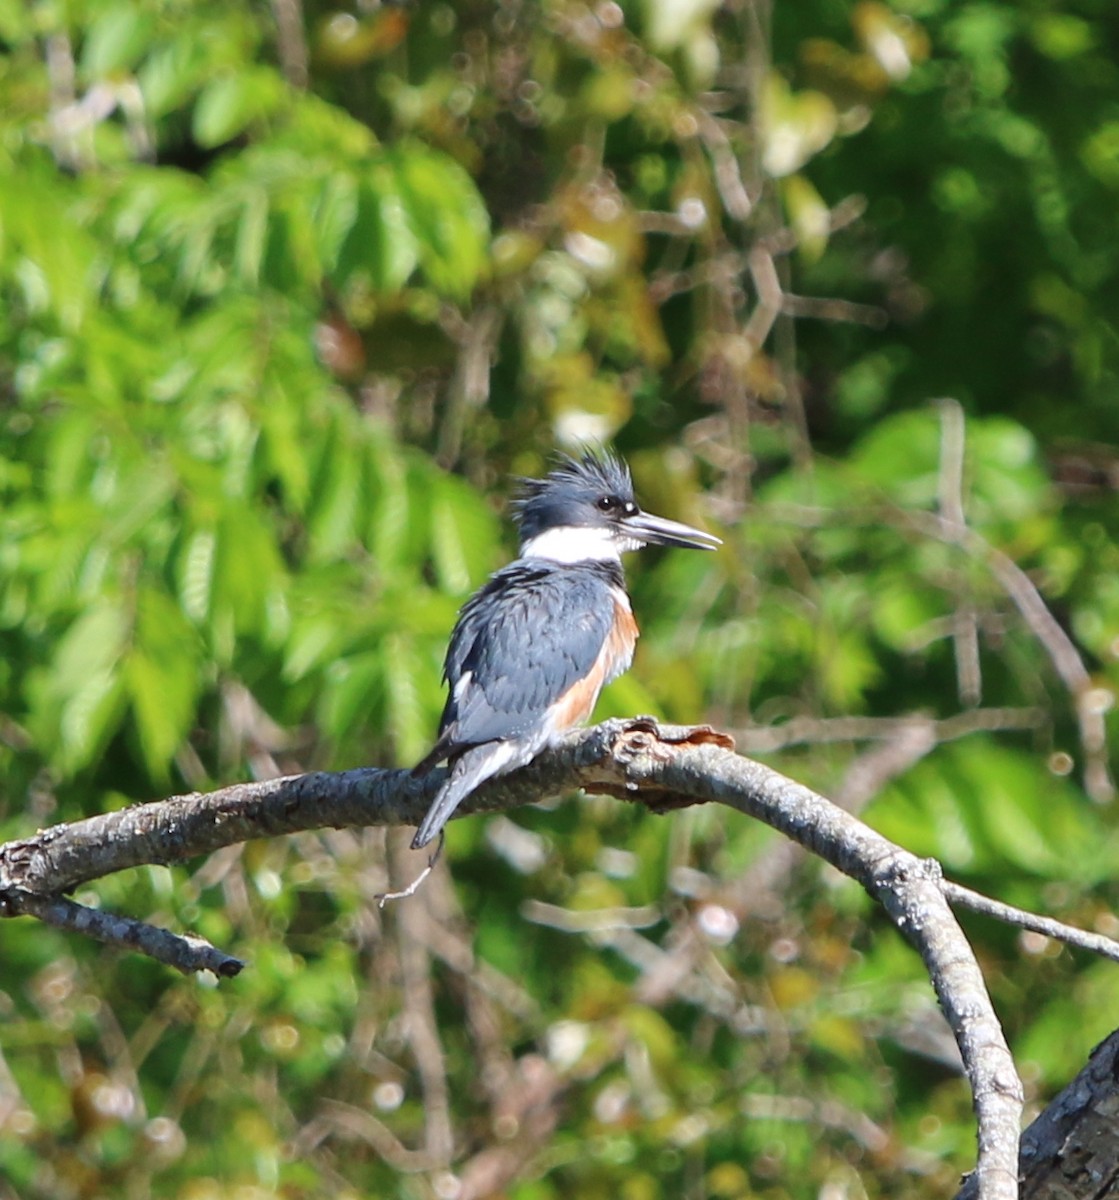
(163, 680)
(447, 216)
(49, 254)
(901, 456)
(984, 808)
(334, 214)
(16, 21)
(196, 574)
(247, 572)
(381, 244)
(232, 102)
(116, 40)
(405, 711)
(171, 74)
(353, 694)
(76, 704)
(389, 514)
(252, 233)
(333, 518)
(464, 534)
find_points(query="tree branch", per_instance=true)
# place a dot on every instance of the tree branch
(662, 767)
(186, 954)
(961, 897)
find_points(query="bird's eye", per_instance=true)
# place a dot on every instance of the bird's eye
(606, 503)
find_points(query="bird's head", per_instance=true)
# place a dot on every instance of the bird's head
(585, 509)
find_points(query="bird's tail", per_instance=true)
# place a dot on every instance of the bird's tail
(469, 770)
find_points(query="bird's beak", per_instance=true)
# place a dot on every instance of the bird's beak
(644, 527)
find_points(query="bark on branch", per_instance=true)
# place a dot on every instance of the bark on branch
(661, 767)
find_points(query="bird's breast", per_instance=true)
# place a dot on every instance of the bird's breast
(577, 703)
(622, 638)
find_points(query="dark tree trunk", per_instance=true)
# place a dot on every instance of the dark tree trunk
(1071, 1152)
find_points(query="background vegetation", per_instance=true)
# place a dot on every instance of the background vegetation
(287, 292)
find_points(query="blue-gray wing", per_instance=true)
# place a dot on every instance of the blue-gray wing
(519, 645)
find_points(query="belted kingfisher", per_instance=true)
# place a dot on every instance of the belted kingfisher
(533, 648)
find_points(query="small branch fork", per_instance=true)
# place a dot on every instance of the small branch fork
(662, 767)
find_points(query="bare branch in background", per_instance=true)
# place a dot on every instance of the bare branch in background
(763, 739)
(422, 1028)
(728, 175)
(291, 42)
(469, 389)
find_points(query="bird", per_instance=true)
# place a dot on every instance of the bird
(532, 649)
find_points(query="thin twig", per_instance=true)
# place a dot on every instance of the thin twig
(830, 308)
(596, 920)
(762, 739)
(1054, 640)
(872, 770)
(976, 902)
(186, 954)
(291, 43)
(765, 1106)
(950, 497)
(531, 1107)
(728, 174)
(348, 1122)
(845, 213)
(950, 482)
(469, 387)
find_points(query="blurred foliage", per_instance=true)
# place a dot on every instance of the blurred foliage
(287, 293)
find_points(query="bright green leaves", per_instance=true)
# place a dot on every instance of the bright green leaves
(1062, 36)
(310, 200)
(205, 508)
(277, 217)
(45, 260)
(1006, 478)
(231, 103)
(173, 73)
(983, 809)
(78, 700)
(117, 39)
(379, 242)
(905, 461)
(375, 638)
(196, 503)
(463, 532)
(156, 575)
(248, 574)
(163, 675)
(446, 217)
